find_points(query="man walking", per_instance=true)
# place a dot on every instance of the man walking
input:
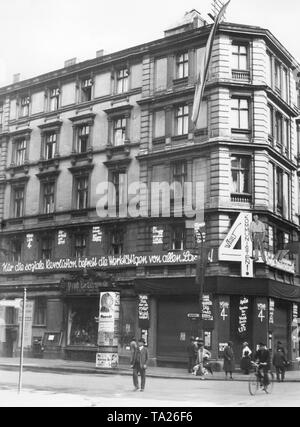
(258, 234)
(192, 354)
(139, 364)
(279, 362)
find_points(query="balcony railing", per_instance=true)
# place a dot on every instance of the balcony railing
(241, 198)
(241, 75)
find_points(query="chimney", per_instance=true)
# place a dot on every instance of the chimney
(99, 53)
(70, 62)
(16, 78)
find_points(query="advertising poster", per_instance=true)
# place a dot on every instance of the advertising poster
(108, 318)
(28, 323)
(144, 315)
(107, 360)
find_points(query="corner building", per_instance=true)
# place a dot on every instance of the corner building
(126, 118)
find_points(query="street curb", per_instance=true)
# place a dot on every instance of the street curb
(49, 369)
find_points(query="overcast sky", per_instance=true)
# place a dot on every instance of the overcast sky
(39, 35)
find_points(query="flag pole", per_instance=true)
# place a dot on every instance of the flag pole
(22, 342)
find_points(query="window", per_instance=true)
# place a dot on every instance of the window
(240, 175)
(278, 128)
(119, 131)
(82, 325)
(269, 69)
(82, 192)
(119, 180)
(18, 201)
(159, 126)
(286, 136)
(182, 120)
(180, 177)
(271, 121)
(117, 242)
(279, 190)
(80, 245)
(271, 239)
(50, 145)
(277, 76)
(20, 151)
(240, 57)
(86, 90)
(48, 197)
(54, 99)
(83, 136)
(182, 65)
(16, 250)
(40, 312)
(122, 80)
(285, 84)
(240, 114)
(46, 247)
(178, 238)
(24, 108)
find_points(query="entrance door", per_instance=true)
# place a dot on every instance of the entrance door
(281, 325)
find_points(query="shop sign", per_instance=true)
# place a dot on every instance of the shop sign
(83, 286)
(193, 316)
(243, 315)
(261, 309)
(144, 312)
(107, 360)
(61, 238)
(28, 322)
(271, 311)
(172, 258)
(157, 236)
(224, 310)
(97, 234)
(29, 240)
(207, 308)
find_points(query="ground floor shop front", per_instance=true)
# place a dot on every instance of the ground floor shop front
(164, 311)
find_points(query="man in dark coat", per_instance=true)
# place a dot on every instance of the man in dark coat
(192, 354)
(229, 363)
(263, 358)
(139, 364)
(279, 362)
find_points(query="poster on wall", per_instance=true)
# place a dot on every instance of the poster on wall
(61, 238)
(207, 311)
(144, 312)
(107, 360)
(109, 308)
(28, 322)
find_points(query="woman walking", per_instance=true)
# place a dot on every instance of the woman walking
(246, 359)
(229, 363)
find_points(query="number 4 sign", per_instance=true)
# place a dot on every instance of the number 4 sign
(228, 252)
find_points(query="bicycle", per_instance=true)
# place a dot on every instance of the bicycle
(256, 380)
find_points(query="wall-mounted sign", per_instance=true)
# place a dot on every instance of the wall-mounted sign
(144, 312)
(261, 312)
(271, 311)
(224, 310)
(107, 360)
(172, 258)
(243, 315)
(83, 286)
(29, 240)
(157, 236)
(241, 230)
(97, 234)
(61, 238)
(207, 308)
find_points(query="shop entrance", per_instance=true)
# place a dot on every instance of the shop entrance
(281, 330)
(175, 328)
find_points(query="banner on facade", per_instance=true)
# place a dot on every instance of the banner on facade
(207, 311)
(271, 314)
(157, 236)
(243, 316)
(29, 310)
(144, 312)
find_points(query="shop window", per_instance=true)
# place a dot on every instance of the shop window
(40, 312)
(82, 324)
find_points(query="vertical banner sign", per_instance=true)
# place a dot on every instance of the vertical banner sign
(207, 312)
(144, 312)
(271, 314)
(261, 320)
(295, 314)
(28, 323)
(223, 322)
(97, 234)
(117, 318)
(295, 330)
(243, 316)
(29, 239)
(61, 238)
(157, 236)
(247, 247)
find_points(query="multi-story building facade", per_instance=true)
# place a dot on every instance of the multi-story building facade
(125, 118)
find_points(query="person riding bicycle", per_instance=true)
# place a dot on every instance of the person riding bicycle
(263, 359)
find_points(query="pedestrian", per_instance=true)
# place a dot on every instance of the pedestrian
(202, 359)
(263, 358)
(280, 346)
(192, 349)
(229, 363)
(139, 364)
(246, 359)
(258, 234)
(133, 346)
(279, 363)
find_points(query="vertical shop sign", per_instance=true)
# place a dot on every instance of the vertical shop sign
(243, 315)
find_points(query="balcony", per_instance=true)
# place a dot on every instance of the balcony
(241, 198)
(243, 76)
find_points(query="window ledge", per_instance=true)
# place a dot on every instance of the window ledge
(180, 137)
(80, 212)
(180, 81)
(160, 140)
(46, 217)
(241, 131)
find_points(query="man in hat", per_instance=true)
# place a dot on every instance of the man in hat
(139, 364)
(263, 359)
(192, 349)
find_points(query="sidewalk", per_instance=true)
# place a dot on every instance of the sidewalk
(66, 366)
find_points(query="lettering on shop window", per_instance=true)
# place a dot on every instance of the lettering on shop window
(261, 311)
(243, 315)
(224, 307)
